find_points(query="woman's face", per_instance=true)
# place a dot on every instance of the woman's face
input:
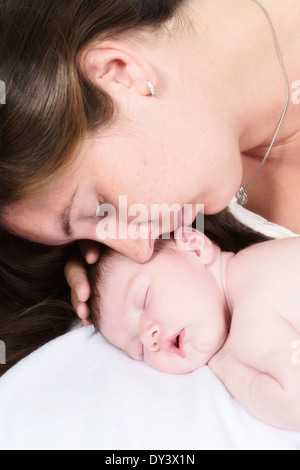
(178, 148)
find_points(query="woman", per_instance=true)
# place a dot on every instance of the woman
(162, 101)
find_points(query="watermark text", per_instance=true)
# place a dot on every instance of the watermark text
(138, 221)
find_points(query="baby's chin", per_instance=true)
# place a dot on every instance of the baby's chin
(184, 366)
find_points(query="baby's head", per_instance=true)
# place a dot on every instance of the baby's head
(170, 312)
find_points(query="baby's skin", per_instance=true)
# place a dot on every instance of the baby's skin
(192, 305)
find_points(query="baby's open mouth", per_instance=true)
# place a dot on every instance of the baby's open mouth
(175, 344)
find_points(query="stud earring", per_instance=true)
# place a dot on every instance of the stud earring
(152, 89)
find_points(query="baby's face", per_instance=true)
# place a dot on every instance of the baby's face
(168, 312)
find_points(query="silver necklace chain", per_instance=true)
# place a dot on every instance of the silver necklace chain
(242, 194)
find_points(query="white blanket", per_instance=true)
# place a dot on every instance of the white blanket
(78, 392)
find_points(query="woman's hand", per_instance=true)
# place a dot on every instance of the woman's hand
(78, 281)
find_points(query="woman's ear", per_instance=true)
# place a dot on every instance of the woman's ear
(190, 239)
(116, 67)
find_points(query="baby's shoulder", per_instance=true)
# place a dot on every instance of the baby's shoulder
(266, 273)
(269, 253)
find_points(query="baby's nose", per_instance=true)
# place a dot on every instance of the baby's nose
(150, 338)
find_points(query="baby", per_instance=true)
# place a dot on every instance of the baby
(192, 305)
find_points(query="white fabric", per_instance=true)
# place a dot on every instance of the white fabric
(258, 223)
(79, 392)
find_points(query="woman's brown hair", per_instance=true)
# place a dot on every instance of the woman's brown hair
(49, 104)
(35, 302)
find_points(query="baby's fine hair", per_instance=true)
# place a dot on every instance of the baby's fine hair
(100, 275)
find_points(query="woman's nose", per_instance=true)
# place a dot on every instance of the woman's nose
(139, 251)
(151, 338)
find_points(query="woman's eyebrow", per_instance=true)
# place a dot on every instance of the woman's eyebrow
(65, 218)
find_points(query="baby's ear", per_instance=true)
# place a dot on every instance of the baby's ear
(190, 239)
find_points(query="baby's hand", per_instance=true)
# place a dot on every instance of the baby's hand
(78, 281)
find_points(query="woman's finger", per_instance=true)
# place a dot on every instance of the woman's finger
(81, 309)
(77, 279)
(90, 250)
(87, 322)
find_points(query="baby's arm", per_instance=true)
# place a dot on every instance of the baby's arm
(259, 393)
